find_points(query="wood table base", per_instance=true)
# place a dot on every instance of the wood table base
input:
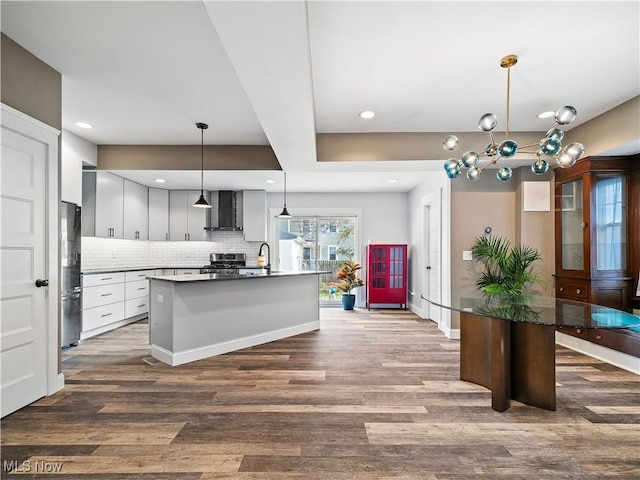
(514, 360)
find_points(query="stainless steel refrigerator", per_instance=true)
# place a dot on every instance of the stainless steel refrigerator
(71, 288)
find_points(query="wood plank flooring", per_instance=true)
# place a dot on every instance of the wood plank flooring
(371, 396)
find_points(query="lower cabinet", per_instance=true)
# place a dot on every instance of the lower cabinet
(112, 300)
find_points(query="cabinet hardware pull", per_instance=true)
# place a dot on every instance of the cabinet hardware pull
(142, 288)
(562, 289)
(578, 330)
(106, 294)
(105, 315)
(598, 337)
(185, 237)
(107, 278)
(578, 291)
(166, 236)
(143, 305)
(189, 235)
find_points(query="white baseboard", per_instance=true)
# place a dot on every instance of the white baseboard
(452, 333)
(180, 358)
(619, 359)
(58, 384)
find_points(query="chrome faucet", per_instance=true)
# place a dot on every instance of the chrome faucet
(268, 266)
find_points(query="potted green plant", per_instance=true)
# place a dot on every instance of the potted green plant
(507, 269)
(349, 279)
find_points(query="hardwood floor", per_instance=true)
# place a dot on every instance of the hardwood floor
(371, 396)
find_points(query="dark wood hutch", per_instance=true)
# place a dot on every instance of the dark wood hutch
(597, 241)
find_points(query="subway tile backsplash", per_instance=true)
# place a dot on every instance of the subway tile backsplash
(100, 253)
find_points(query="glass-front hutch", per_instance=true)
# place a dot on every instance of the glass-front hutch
(594, 219)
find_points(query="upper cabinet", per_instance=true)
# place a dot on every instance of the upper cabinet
(102, 204)
(254, 215)
(136, 213)
(186, 222)
(158, 214)
(592, 231)
(104, 197)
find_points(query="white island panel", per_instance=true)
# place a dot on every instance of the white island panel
(192, 320)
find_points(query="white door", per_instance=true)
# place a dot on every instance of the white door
(432, 252)
(23, 351)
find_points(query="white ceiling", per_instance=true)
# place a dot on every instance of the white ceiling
(277, 73)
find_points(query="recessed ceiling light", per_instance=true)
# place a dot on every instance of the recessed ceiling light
(84, 125)
(393, 180)
(270, 181)
(367, 114)
(160, 180)
(546, 114)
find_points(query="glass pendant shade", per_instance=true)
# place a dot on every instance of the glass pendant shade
(487, 122)
(507, 149)
(450, 142)
(540, 167)
(504, 174)
(470, 159)
(549, 146)
(473, 173)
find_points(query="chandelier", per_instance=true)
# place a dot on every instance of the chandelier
(548, 148)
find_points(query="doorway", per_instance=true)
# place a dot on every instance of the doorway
(317, 243)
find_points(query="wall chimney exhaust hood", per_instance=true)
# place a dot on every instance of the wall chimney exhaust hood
(227, 218)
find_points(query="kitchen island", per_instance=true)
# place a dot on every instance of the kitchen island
(193, 317)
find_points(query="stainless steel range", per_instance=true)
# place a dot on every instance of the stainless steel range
(225, 263)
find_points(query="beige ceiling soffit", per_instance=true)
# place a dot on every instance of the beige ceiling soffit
(186, 157)
(371, 147)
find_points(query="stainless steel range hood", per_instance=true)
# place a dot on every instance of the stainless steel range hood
(227, 218)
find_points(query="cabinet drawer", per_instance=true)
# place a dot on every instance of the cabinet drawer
(100, 316)
(574, 332)
(136, 289)
(102, 295)
(137, 275)
(136, 306)
(626, 341)
(573, 289)
(95, 279)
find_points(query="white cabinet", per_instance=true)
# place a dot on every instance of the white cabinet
(102, 302)
(104, 197)
(158, 214)
(136, 293)
(187, 222)
(136, 211)
(254, 214)
(110, 300)
(180, 271)
(102, 204)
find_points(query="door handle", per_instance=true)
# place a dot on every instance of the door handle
(428, 267)
(42, 283)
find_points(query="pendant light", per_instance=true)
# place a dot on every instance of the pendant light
(285, 213)
(202, 202)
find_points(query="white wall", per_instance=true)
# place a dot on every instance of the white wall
(382, 217)
(75, 151)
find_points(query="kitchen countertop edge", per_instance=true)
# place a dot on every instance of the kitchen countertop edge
(206, 277)
(135, 269)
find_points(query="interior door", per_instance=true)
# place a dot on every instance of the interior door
(23, 329)
(432, 252)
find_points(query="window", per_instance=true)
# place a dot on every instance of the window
(332, 252)
(333, 227)
(306, 253)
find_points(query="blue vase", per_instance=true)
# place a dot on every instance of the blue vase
(348, 301)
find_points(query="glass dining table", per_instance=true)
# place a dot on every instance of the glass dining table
(507, 342)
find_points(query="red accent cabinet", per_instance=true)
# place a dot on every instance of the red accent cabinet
(387, 275)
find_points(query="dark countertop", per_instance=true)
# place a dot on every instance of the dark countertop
(135, 269)
(205, 277)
